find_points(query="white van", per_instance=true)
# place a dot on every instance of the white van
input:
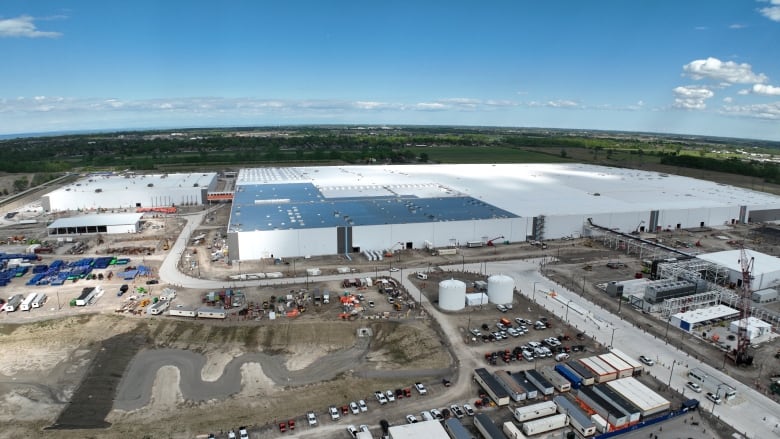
(421, 275)
(426, 415)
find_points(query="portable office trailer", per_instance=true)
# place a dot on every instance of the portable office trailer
(578, 419)
(487, 428)
(183, 311)
(602, 372)
(543, 425)
(623, 369)
(531, 392)
(622, 404)
(456, 430)
(13, 303)
(533, 411)
(538, 380)
(606, 409)
(588, 378)
(491, 386)
(648, 402)
(512, 432)
(515, 390)
(211, 313)
(573, 377)
(26, 304)
(717, 386)
(159, 307)
(40, 299)
(560, 383)
(87, 294)
(634, 363)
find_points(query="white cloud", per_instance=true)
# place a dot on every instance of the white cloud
(772, 12)
(744, 91)
(759, 111)
(23, 27)
(728, 99)
(562, 103)
(766, 90)
(737, 26)
(692, 97)
(729, 71)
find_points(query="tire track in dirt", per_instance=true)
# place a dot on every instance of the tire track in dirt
(136, 387)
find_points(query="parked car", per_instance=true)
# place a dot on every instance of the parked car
(362, 405)
(231, 434)
(476, 332)
(243, 433)
(713, 397)
(437, 414)
(352, 431)
(334, 413)
(456, 411)
(152, 282)
(420, 388)
(380, 397)
(411, 419)
(502, 308)
(291, 424)
(693, 386)
(353, 407)
(312, 418)
(468, 409)
(562, 356)
(426, 415)
(390, 396)
(364, 427)
(646, 360)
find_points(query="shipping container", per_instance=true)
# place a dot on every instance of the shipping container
(472, 244)
(160, 307)
(601, 370)
(543, 425)
(533, 411)
(601, 424)
(574, 378)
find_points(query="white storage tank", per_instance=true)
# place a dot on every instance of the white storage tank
(500, 289)
(452, 295)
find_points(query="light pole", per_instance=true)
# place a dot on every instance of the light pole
(463, 262)
(566, 319)
(613, 337)
(671, 373)
(533, 298)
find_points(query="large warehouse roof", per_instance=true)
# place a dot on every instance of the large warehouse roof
(309, 197)
(730, 259)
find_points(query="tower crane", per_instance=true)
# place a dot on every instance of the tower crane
(740, 355)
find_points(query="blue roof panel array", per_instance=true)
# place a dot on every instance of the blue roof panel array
(302, 206)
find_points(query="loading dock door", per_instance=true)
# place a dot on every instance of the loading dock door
(344, 240)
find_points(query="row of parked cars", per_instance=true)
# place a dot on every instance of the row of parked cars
(440, 415)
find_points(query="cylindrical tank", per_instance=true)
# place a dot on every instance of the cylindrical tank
(500, 289)
(452, 295)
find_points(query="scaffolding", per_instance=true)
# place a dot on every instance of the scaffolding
(671, 307)
(632, 245)
(694, 270)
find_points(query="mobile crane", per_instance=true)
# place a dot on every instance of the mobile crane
(490, 242)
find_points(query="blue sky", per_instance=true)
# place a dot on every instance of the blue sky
(709, 67)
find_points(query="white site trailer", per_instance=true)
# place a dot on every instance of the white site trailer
(13, 303)
(623, 369)
(159, 307)
(26, 304)
(40, 299)
(543, 425)
(511, 431)
(183, 311)
(533, 411)
(638, 367)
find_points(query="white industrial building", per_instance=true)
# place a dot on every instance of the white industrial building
(425, 429)
(690, 320)
(130, 191)
(766, 268)
(97, 223)
(755, 327)
(302, 211)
